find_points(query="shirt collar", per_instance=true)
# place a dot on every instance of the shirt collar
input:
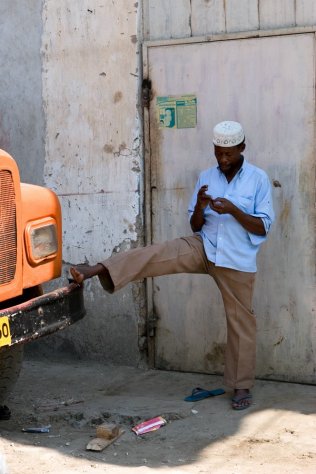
(242, 168)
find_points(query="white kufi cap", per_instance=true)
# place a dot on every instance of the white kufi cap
(228, 133)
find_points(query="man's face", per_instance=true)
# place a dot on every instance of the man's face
(228, 158)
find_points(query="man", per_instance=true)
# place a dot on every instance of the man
(230, 213)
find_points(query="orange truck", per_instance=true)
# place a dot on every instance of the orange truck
(30, 254)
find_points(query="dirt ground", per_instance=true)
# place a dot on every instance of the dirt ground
(276, 435)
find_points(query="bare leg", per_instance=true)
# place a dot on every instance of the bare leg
(83, 272)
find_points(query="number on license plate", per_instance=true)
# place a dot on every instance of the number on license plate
(5, 335)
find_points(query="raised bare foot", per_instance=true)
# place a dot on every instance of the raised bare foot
(242, 399)
(83, 272)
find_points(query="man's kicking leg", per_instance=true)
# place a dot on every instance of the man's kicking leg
(183, 255)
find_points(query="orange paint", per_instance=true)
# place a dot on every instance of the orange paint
(34, 206)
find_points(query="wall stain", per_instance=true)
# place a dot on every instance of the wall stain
(307, 183)
(284, 215)
(108, 148)
(117, 97)
(130, 226)
(133, 39)
(279, 341)
(217, 355)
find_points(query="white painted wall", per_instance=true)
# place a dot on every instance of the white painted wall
(90, 85)
(181, 18)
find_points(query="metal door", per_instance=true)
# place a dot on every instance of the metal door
(268, 84)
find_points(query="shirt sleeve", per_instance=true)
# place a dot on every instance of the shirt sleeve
(263, 209)
(193, 199)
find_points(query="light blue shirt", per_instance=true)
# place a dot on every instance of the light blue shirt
(226, 242)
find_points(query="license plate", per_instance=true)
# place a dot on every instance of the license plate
(5, 335)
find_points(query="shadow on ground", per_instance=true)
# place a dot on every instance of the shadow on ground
(75, 397)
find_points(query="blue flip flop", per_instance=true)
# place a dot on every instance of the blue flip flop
(200, 393)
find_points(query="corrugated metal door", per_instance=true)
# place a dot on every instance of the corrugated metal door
(268, 84)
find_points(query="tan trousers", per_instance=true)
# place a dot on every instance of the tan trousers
(186, 255)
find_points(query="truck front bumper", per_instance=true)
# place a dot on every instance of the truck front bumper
(41, 316)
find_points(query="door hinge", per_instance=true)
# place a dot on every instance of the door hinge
(146, 92)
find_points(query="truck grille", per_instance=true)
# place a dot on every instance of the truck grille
(8, 253)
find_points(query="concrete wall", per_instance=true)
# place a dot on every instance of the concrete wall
(22, 119)
(93, 159)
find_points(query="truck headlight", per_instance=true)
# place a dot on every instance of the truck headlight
(41, 239)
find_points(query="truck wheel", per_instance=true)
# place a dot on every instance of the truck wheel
(10, 366)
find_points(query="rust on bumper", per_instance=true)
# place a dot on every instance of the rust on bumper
(45, 314)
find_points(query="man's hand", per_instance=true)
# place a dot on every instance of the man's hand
(203, 199)
(222, 206)
(250, 223)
